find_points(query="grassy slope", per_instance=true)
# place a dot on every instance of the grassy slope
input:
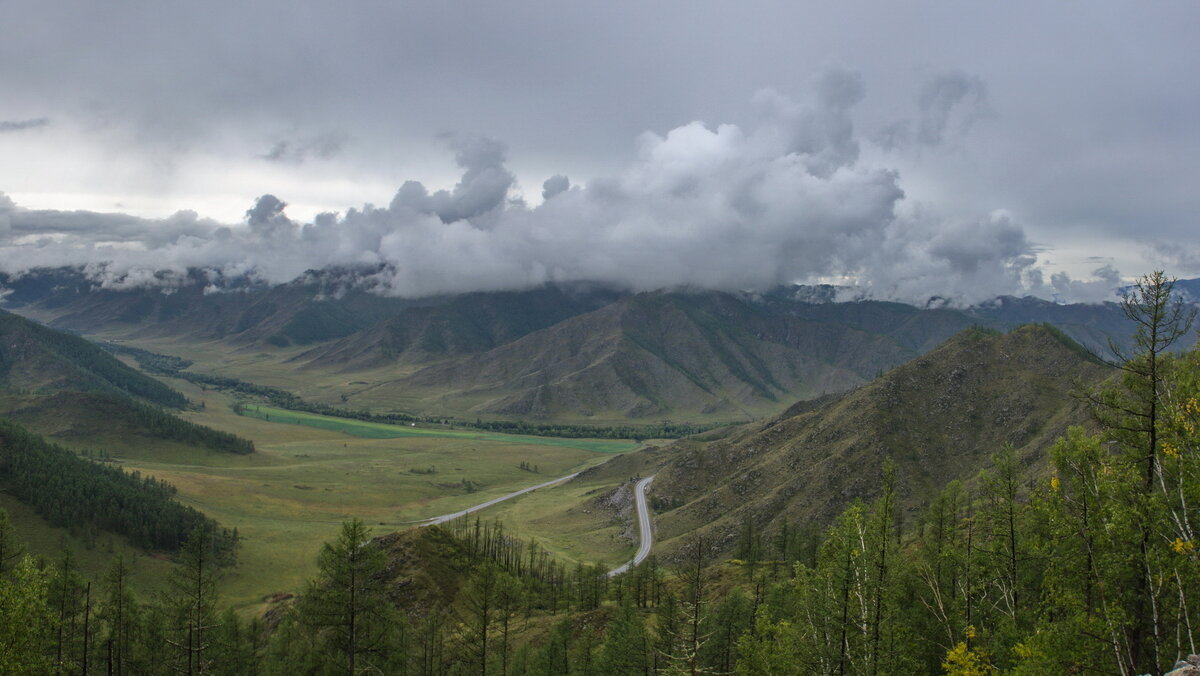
(938, 417)
(93, 555)
(37, 359)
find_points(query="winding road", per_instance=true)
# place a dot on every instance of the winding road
(483, 505)
(645, 530)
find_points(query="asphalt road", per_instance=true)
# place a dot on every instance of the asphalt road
(483, 505)
(645, 532)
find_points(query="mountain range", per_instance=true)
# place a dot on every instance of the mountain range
(580, 353)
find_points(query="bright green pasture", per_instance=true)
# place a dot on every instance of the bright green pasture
(372, 430)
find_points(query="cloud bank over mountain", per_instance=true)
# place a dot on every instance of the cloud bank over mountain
(785, 198)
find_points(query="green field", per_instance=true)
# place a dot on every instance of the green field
(372, 430)
(310, 473)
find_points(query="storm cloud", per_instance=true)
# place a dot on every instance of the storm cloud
(321, 147)
(22, 125)
(786, 198)
(1077, 122)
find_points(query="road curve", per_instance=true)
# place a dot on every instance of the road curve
(645, 532)
(483, 505)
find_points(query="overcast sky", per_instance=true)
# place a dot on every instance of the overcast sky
(734, 145)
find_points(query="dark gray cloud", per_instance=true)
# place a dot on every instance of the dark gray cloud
(1079, 124)
(947, 106)
(949, 103)
(22, 125)
(554, 185)
(321, 147)
(483, 187)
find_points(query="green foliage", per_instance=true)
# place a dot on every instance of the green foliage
(190, 604)
(352, 625)
(67, 490)
(11, 549)
(27, 622)
(79, 363)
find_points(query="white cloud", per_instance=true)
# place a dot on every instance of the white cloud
(784, 199)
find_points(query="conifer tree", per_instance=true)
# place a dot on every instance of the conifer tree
(67, 598)
(1132, 416)
(27, 621)
(625, 642)
(10, 546)
(347, 605)
(190, 604)
(119, 616)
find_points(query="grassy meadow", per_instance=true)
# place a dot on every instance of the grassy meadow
(309, 474)
(373, 430)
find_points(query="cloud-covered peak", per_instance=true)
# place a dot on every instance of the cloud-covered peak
(785, 199)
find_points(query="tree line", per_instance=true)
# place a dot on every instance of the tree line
(99, 369)
(70, 491)
(163, 425)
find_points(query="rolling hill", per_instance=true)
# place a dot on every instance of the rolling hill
(707, 355)
(465, 324)
(69, 388)
(38, 360)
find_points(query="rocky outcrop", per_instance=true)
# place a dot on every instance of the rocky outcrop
(1188, 667)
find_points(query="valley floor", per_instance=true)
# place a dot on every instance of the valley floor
(293, 493)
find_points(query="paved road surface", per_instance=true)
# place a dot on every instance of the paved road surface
(450, 517)
(645, 533)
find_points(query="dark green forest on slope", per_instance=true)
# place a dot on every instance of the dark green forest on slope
(1090, 568)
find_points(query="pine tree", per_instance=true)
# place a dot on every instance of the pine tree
(67, 598)
(623, 652)
(190, 604)
(10, 546)
(27, 621)
(119, 617)
(347, 605)
(1132, 415)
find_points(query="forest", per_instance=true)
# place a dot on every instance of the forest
(70, 491)
(101, 372)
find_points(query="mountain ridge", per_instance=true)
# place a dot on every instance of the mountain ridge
(939, 418)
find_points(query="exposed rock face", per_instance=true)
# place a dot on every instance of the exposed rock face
(620, 502)
(1188, 667)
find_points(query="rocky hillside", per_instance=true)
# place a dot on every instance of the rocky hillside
(665, 354)
(466, 324)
